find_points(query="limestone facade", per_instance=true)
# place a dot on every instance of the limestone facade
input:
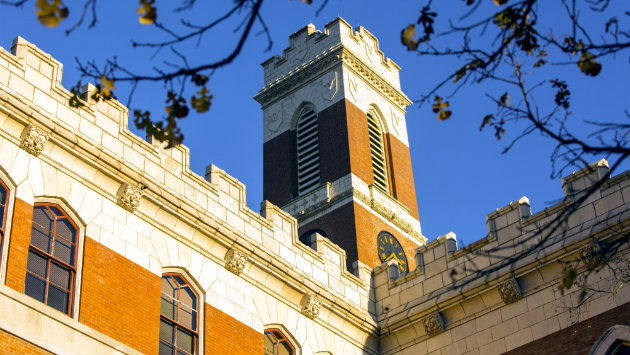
(141, 213)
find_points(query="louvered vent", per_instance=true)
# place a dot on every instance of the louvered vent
(307, 151)
(378, 152)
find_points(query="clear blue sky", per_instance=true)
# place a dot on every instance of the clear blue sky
(460, 173)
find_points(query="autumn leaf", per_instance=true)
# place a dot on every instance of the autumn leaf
(199, 79)
(147, 12)
(504, 100)
(439, 107)
(50, 13)
(75, 99)
(459, 74)
(407, 37)
(562, 95)
(486, 120)
(541, 59)
(500, 2)
(106, 86)
(588, 65)
(201, 103)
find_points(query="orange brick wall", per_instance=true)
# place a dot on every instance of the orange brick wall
(368, 227)
(226, 335)
(359, 142)
(401, 174)
(19, 242)
(578, 338)
(120, 298)
(10, 344)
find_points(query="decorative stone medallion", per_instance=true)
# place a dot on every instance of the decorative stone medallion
(509, 291)
(311, 305)
(433, 324)
(129, 196)
(33, 140)
(590, 256)
(236, 261)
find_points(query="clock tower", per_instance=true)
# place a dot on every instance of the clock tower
(336, 154)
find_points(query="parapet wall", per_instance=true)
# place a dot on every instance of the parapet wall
(183, 219)
(466, 288)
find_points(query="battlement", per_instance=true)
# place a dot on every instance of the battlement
(183, 219)
(309, 44)
(520, 246)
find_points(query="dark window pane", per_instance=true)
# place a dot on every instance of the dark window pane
(40, 238)
(3, 195)
(66, 230)
(56, 210)
(1, 214)
(37, 264)
(179, 280)
(184, 340)
(166, 331)
(64, 251)
(35, 287)
(59, 275)
(43, 217)
(187, 297)
(187, 317)
(165, 349)
(167, 307)
(58, 298)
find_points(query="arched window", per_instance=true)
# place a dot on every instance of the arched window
(377, 150)
(276, 343)
(52, 254)
(307, 151)
(179, 317)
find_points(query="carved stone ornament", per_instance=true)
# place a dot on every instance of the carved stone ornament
(590, 256)
(129, 196)
(311, 305)
(433, 324)
(33, 140)
(509, 291)
(236, 261)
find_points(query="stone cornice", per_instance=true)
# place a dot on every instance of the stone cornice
(336, 55)
(378, 83)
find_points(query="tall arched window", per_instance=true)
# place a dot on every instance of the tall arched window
(276, 343)
(377, 149)
(179, 317)
(52, 254)
(307, 151)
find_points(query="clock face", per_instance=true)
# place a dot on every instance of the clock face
(389, 248)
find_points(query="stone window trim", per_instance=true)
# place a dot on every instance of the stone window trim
(56, 265)
(282, 336)
(609, 342)
(6, 217)
(200, 294)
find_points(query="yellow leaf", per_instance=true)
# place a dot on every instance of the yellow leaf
(500, 2)
(406, 37)
(147, 12)
(106, 87)
(51, 13)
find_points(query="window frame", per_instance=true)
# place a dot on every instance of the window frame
(196, 288)
(50, 258)
(285, 338)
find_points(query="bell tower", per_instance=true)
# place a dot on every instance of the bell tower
(335, 153)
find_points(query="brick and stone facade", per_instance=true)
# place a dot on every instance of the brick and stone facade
(249, 270)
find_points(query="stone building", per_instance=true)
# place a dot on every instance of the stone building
(111, 245)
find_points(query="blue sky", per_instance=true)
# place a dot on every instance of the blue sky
(460, 173)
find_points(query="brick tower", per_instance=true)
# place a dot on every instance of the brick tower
(336, 153)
